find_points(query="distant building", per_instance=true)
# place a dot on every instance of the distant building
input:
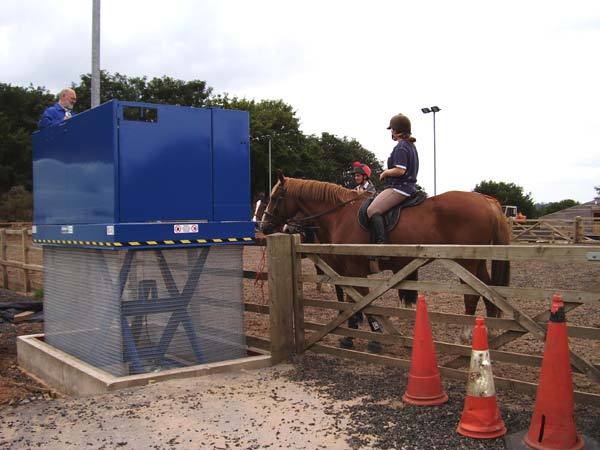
(589, 211)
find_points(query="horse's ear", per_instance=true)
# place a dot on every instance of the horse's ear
(280, 176)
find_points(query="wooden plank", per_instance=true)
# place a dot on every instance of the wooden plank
(256, 308)
(26, 283)
(502, 383)
(3, 258)
(558, 232)
(551, 253)
(365, 301)
(588, 297)
(522, 359)
(511, 335)
(20, 265)
(297, 304)
(21, 317)
(258, 342)
(281, 296)
(527, 230)
(407, 313)
(463, 319)
(524, 320)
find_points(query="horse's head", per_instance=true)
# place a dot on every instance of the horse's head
(280, 208)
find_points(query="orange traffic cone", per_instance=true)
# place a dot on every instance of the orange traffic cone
(424, 382)
(552, 424)
(481, 415)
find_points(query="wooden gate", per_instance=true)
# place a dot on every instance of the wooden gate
(291, 333)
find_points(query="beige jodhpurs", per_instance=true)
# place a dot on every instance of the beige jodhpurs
(384, 201)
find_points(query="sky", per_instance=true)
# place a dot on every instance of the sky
(517, 81)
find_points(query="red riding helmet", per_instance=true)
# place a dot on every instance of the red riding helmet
(363, 169)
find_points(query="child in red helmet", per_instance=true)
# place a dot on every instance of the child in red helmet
(362, 174)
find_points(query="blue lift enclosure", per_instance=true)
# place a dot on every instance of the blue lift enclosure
(127, 174)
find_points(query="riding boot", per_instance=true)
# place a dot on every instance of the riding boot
(379, 237)
(378, 229)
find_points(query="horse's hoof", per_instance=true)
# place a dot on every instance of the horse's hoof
(346, 343)
(374, 347)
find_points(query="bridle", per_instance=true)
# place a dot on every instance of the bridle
(301, 224)
(276, 220)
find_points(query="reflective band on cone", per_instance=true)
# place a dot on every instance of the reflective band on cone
(481, 416)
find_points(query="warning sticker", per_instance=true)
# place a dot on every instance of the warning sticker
(185, 228)
(66, 229)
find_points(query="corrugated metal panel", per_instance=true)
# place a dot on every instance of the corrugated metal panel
(138, 311)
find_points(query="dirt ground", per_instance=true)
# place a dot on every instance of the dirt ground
(361, 401)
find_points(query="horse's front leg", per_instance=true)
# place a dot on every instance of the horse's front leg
(353, 322)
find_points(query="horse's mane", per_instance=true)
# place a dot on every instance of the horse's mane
(319, 191)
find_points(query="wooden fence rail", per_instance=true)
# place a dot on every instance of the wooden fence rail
(296, 334)
(580, 230)
(16, 249)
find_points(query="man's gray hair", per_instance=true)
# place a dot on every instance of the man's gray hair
(65, 91)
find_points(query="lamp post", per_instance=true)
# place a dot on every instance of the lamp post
(95, 82)
(433, 109)
(268, 136)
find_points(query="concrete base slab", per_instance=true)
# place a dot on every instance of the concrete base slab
(515, 442)
(71, 376)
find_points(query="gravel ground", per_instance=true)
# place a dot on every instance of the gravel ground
(250, 410)
(379, 419)
(317, 402)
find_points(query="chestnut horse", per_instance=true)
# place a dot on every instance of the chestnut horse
(454, 217)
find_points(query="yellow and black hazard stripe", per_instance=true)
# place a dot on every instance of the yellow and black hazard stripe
(143, 243)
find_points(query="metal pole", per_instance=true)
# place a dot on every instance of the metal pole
(434, 159)
(270, 177)
(95, 88)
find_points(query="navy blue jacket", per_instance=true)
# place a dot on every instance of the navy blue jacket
(406, 157)
(53, 115)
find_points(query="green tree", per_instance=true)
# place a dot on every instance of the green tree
(274, 121)
(139, 89)
(548, 208)
(338, 154)
(16, 205)
(20, 110)
(509, 194)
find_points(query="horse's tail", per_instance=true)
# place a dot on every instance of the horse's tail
(501, 236)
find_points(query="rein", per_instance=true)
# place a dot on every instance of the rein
(305, 220)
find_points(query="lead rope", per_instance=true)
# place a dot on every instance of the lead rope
(259, 278)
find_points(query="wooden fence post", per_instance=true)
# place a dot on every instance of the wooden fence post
(578, 232)
(298, 301)
(282, 291)
(3, 258)
(26, 283)
(510, 227)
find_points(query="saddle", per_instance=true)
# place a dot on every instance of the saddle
(392, 216)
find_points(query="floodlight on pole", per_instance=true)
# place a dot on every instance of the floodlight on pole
(433, 109)
(95, 84)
